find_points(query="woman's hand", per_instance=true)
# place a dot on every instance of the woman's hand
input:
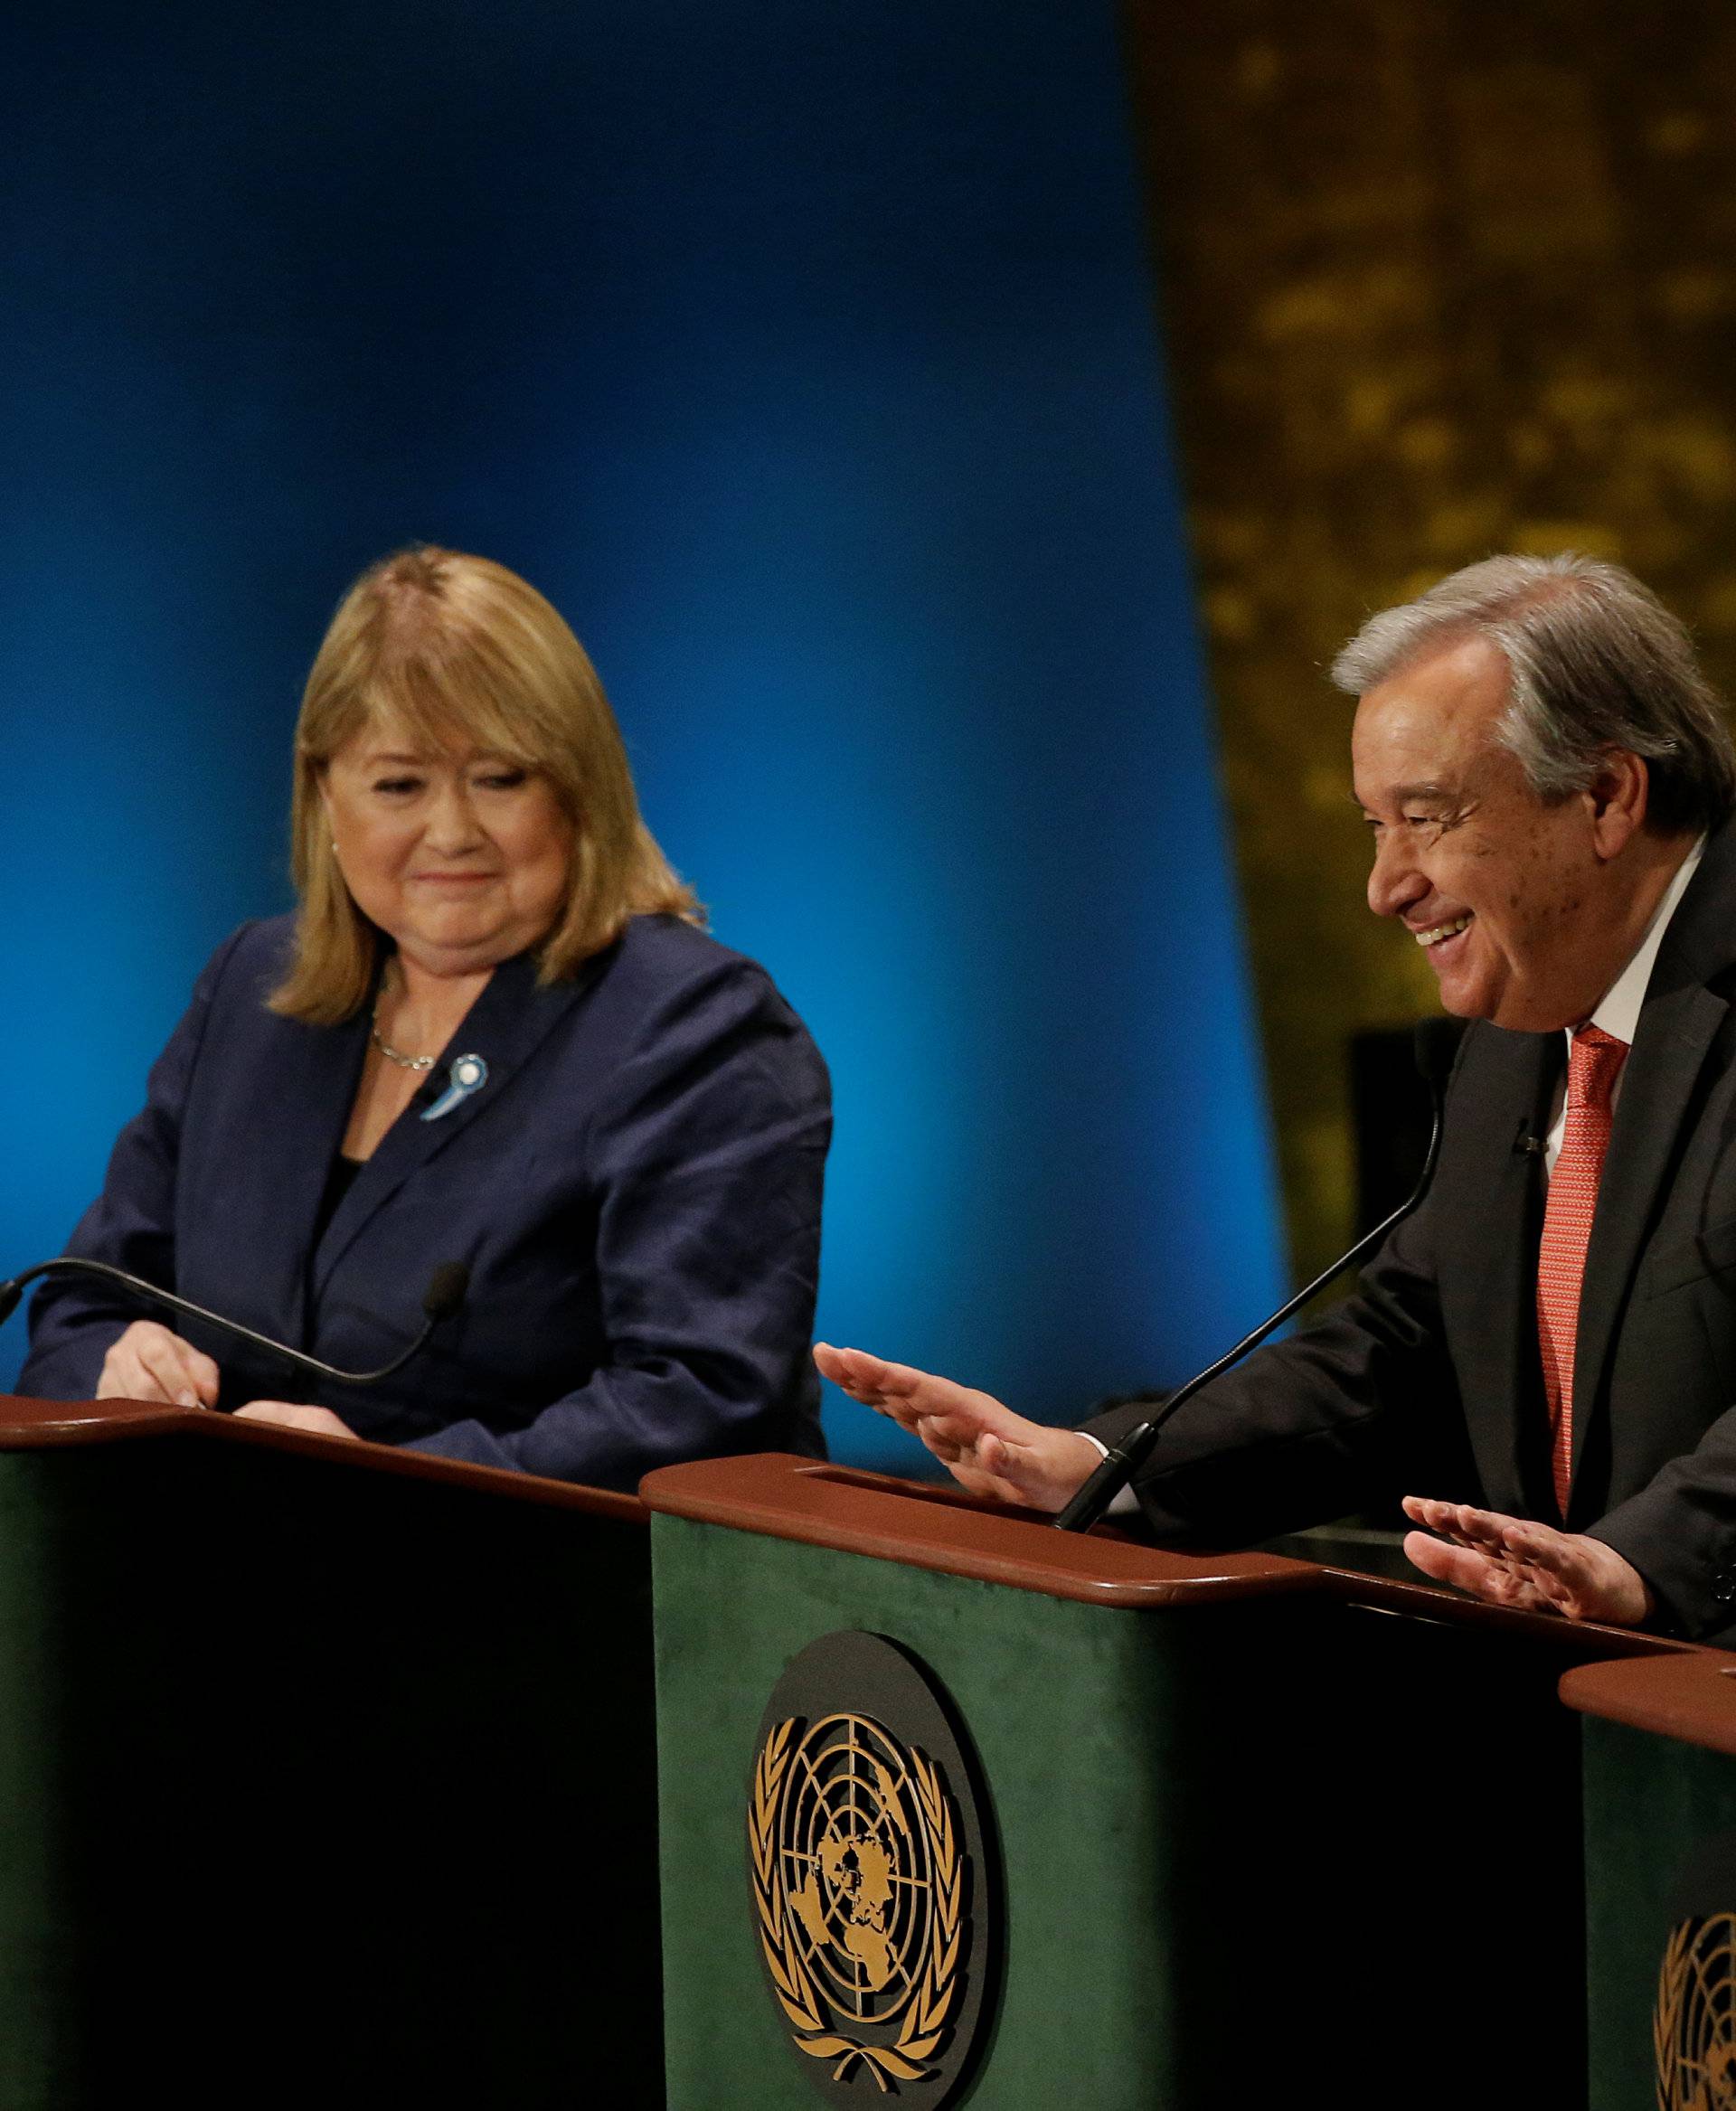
(150, 1363)
(983, 1446)
(289, 1415)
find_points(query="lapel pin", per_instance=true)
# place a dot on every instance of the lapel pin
(467, 1074)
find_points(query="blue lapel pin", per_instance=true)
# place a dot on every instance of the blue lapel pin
(467, 1074)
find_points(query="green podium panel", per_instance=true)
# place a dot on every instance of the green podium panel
(327, 1773)
(1660, 1828)
(1242, 1821)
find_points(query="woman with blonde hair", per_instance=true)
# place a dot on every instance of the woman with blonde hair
(492, 1034)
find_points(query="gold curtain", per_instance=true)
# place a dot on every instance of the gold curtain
(1437, 277)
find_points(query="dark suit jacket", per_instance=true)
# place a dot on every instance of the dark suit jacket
(635, 1193)
(1427, 1381)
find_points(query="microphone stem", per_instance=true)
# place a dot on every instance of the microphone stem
(1124, 1460)
(170, 1302)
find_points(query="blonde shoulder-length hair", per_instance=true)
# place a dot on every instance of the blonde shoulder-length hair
(458, 648)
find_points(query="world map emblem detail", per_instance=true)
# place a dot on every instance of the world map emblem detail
(1694, 2023)
(863, 1881)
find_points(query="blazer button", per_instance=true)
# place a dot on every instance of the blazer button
(1723, 1583)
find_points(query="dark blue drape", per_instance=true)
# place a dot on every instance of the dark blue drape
(803, 354)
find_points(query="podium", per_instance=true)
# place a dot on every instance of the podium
(1660, 1828)
(326, 1773)
(1246, 1829)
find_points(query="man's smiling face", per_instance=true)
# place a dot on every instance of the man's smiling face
(1507, 891)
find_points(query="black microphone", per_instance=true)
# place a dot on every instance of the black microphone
(444, 1294)
(1435, 1043)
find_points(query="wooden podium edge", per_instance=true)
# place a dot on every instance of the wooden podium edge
(934, 1525)
(30, 1425)
(923, 1525)
(1588, 1640)
(1689, 1695)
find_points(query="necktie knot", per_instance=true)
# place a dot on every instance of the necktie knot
(1593, 1061)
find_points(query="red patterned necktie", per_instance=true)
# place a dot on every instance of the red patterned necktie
(1593, 1063)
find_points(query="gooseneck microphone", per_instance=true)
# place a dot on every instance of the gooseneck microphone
(444, 1294)
(1436, 1043)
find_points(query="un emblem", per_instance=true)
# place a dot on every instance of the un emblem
(1693, 2024)
(867, 1866)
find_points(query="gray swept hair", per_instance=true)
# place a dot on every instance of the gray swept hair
(1595, 662)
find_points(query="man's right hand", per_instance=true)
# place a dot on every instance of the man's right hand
(986, 1447)
(150, 1363)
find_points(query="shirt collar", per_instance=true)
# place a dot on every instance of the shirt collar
(1618, 1014)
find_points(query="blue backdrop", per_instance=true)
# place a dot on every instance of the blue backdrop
(803, 353)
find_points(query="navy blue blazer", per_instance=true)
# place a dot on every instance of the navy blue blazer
(635, 1193)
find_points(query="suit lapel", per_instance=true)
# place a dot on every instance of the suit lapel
(1658, 1089)
(305, 1097)
(505, 1026)
(1680, 1019)
(1490, 1220)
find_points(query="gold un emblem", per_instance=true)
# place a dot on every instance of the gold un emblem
(858, 1887)
(1693, 2024)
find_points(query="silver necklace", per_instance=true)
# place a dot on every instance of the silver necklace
(393, 1055)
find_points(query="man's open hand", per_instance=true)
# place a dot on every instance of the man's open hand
(1513, 1561)
(983, 1446)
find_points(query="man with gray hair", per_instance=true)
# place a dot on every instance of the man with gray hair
(1548, 1345)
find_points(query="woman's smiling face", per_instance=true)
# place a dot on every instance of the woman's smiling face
(461, 857)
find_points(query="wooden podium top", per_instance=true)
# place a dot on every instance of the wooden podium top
(929, 1525)
(28, 1425)
(926, 1525)
(1689, 1695)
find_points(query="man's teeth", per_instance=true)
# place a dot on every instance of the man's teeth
(1437, 932)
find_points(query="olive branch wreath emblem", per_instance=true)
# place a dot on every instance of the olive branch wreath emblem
(1684, 2078)
(1667, 2017)
(815, 2030)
